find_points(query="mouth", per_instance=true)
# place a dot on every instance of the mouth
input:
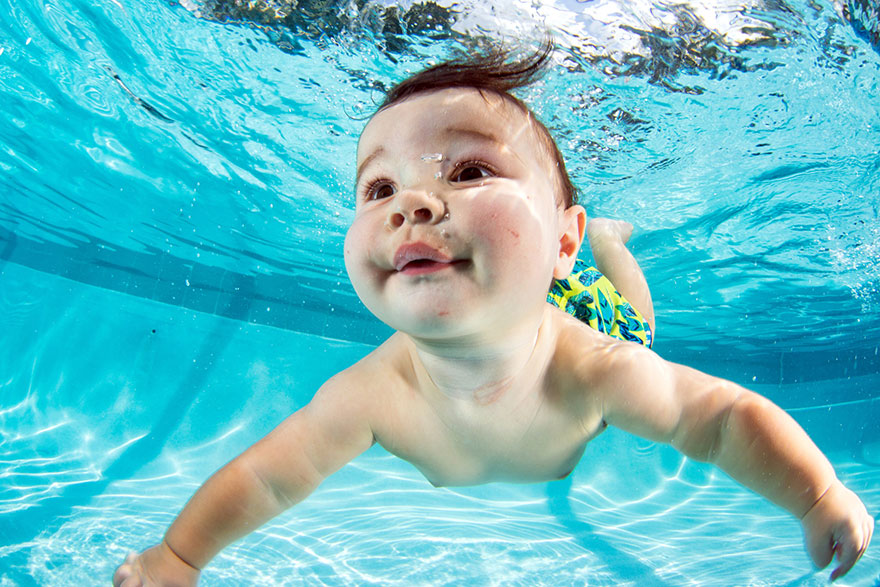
(420, 259)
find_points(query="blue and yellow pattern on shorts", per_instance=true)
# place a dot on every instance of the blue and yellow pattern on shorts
(588, 296)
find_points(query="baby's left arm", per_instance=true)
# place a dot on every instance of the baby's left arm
(746, 435)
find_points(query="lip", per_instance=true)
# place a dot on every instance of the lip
(419, 258)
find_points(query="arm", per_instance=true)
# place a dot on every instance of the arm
(750, 438)
(272, 475)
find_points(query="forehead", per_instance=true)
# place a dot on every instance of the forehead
(429, 114)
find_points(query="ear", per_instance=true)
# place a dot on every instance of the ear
(573, 222)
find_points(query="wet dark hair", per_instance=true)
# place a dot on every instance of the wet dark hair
(492, 72)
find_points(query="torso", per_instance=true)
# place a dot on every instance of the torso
(535, 431)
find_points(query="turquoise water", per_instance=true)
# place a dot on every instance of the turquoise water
(175, 184)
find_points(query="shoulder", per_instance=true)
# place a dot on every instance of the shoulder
(588, 353)
(632, 387)
(594, 368)
(384, 365)
(368, 390)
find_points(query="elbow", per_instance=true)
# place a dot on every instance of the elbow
(270, 491)
(740, 425)
(280, 489)
(705, 435)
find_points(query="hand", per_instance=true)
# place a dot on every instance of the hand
(837, 524)
(155, 567)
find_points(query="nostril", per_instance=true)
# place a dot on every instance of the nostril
(396, 220)
(423, 215)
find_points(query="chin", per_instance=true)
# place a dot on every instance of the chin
(432, 323)
(425, 326)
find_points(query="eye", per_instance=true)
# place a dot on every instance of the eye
(379, 190)
(472, 170)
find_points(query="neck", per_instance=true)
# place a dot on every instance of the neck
(481, 368)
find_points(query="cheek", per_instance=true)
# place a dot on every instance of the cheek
(500, 228)
(349, 246)
(510, 227)
(356, 251)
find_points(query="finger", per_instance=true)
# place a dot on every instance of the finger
(124, 571)
(866, 537)
(847, 555)
(121, 574)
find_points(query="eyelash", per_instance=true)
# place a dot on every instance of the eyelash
(376, 183)
(475, 163)
(373, 185)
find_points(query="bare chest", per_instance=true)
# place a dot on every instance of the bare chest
(460, 443)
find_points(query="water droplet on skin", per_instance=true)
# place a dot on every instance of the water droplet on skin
(432, 157)
(446, 216)
(438, 175)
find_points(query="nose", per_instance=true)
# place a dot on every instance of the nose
(416, 206)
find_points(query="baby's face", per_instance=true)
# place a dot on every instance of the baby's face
(457, 223)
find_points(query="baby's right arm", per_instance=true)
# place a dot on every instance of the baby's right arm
(272, 475)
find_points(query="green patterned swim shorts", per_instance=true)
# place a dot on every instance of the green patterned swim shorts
(588, 296)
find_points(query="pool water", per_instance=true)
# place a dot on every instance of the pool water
(175, 185)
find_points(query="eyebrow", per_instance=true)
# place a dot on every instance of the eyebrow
(484, 137)
(472, 134)
(369, 158)
(454, 131)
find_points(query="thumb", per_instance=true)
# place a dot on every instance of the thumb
(820, 548)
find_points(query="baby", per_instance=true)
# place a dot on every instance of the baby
(465, 217)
